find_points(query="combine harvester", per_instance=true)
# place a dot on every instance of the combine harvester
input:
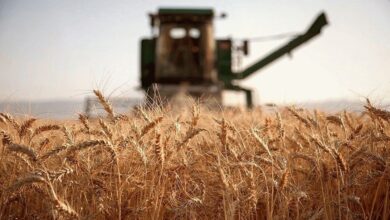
(183, 51)
(182, 54)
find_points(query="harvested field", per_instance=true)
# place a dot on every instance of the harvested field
(154, 163)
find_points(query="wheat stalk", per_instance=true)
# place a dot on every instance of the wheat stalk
(380, 113)
(190, 134)
(150, 126)
(340, 160)
(298, 116)
(85, 145)
(284, 180)
(84, 121)
(335, 120)
(25, 126)
(28, 151)
(45, 128)
(262, 143)
(28, 179)
(105, 103)
(53, 152)
(159, 149)
(11, 120)
(106, 130)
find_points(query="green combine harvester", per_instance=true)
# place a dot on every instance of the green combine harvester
(183, 53)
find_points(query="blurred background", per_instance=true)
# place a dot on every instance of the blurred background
(53, 53)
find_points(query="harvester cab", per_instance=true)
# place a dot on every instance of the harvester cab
(182, 52)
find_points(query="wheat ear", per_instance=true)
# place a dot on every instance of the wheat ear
(105, 103)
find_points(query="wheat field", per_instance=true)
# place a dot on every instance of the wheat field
(160, 163)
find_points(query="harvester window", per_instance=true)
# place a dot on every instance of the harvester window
(177, 33)
(184, 53)
(180, 52)
(194, 33)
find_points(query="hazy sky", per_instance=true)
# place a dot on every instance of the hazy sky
(52, 49)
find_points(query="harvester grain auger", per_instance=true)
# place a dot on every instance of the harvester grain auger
(183, 51)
